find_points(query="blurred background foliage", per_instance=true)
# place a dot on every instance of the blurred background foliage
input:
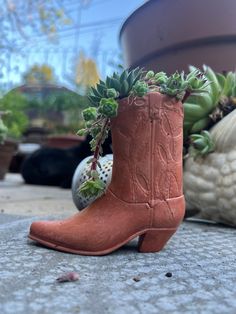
(14, 104)
(44, 64)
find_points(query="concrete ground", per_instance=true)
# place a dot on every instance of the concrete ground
(17, 198)
(195, 273)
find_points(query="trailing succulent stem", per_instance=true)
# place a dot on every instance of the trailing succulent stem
(105, 98)
(94, 186)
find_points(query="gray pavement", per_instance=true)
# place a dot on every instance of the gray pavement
(201, 258)
(17, 198)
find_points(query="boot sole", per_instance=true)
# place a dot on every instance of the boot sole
(150, 241)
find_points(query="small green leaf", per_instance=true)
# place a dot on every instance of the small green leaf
(94, 99)
(82, 132)
(112, 93)
(95, 92)
(123, 76)
(130, 79)
(89, 114)
(101, 89)
(108, 82)
(140, 89)
(94, 174)
(114, 83)
(124, 89)
(92, 188)
(116, 76)
(108, 107)
(201, 144)
(102, 83)
(150, 75)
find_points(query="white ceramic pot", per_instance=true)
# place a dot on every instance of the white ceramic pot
(210, 182)
(80, 176)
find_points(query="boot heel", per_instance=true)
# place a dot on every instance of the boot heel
(154, 240)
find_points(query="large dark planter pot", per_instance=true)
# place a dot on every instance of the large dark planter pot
(63, 141)
(169, 35)
(7, 150)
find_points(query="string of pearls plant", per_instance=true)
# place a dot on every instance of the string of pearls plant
(105, 98)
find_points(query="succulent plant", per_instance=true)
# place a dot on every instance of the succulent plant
(135, 83)
(201, 144)
(116, 86)
(92, 187)
(108, 107)
(160, 78)
(13, 106)
(209, 182)
(227, 100)
(201, 110)
(140, 89)
(89, 114)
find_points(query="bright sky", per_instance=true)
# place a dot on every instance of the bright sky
(98, 38)
(109, 10)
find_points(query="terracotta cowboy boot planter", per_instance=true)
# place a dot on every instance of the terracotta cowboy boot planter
(145, 197)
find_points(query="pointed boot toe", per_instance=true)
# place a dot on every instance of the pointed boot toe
(45, 232)
(37, 228)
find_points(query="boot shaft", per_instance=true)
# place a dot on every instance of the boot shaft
(147, 137)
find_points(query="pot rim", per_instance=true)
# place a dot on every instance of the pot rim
(131, 16)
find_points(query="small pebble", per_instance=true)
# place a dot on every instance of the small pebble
(168, 274)
(136, 279)
(67, 277)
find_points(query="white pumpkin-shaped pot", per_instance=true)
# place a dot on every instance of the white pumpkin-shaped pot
(210, 182)
(80, 176)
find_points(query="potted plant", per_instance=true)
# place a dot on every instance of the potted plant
(170, 35)
(3, 128)
(209, 170)
(13, 122)
(145, 198)
(209, 153)
(70, 104)
(57, 109)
